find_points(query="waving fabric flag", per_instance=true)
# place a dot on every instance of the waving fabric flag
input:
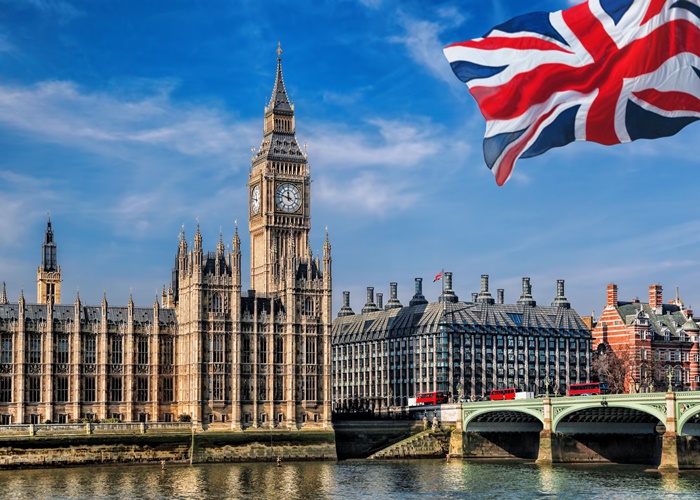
(438, 277)
(606, 71)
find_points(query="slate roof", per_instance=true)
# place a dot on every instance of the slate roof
(460, 317)
(671, 319)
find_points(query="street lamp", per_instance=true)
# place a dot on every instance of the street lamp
(669, 376)
(547, 381)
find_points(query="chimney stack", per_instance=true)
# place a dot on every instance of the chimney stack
(370, 306)
(448, 294)
(484, 296)
(526, 298)
(500, 297)
(612, 295)
(560, 300)
(656, 298)
(393, 302)
(345, 310)
(418, 297)
(380, 300)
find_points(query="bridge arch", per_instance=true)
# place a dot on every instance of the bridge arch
(560, 413)
(470, 415)
(687, 413)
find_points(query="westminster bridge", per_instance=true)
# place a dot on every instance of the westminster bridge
(662, 428)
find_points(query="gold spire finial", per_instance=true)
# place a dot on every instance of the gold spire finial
(279, 50)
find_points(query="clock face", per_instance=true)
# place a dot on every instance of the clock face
(288, 197)
(255, 200)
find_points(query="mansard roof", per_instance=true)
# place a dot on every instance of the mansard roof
(671, 318)
(464, 317)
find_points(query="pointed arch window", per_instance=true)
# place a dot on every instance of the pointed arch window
(309, 309)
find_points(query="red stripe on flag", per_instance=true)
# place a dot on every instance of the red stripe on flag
(670, 101)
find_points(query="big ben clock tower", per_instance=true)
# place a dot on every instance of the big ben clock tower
(279, 195)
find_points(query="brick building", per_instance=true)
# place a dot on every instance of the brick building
(651, 337)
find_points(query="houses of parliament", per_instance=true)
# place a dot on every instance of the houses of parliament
(208, 351)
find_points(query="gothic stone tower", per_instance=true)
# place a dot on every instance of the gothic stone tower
(48, 276)
(260, 359)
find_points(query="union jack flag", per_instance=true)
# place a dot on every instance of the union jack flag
(606, 71)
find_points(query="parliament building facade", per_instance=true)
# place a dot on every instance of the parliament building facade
(208, 351)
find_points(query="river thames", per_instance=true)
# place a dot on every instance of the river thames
(351, 479)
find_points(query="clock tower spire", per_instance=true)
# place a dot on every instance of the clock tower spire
(279, 194)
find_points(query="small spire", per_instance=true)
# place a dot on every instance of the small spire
(279, 51)
(3, 295)
(77, 297)
(220, 245)
(131, 298)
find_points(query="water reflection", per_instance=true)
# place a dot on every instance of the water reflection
(351, 479)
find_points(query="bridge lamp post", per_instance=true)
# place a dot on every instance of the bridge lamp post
(547, 381)
(669, 376)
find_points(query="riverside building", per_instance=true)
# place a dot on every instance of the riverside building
(389, 353)
(208, 351)
(659, 344)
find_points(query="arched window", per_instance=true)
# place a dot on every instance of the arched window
(217, 303)
(309, 306)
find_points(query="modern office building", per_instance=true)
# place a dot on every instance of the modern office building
(208, 351)
(389, 353)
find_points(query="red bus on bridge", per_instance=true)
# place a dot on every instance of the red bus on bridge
(501, 394)
(588, 389)
(431, 398)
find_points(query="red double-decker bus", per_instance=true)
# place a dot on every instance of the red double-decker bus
(501, 394)
(431, 398)
(588, 389)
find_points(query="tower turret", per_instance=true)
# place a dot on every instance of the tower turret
(48, 277)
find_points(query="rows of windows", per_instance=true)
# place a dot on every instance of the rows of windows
(462, 364)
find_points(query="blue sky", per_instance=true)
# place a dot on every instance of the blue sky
(127, 119)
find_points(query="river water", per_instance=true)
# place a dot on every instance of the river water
(351, 479)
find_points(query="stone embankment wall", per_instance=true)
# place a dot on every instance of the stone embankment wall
(501, 444)
(141, 444)
(362, 438)
(431, 443)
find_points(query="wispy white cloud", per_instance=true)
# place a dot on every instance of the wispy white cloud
(384, 163)
(61, 10)
(372, 4)
(379, 144)
(367, 192)
(59, 112)
(421, 39)
(5, 45)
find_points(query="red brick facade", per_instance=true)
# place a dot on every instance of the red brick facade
(651, 336)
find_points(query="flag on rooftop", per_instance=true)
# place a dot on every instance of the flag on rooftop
(606, 71)
(438, 277)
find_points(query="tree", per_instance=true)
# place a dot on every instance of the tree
(611, 368)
